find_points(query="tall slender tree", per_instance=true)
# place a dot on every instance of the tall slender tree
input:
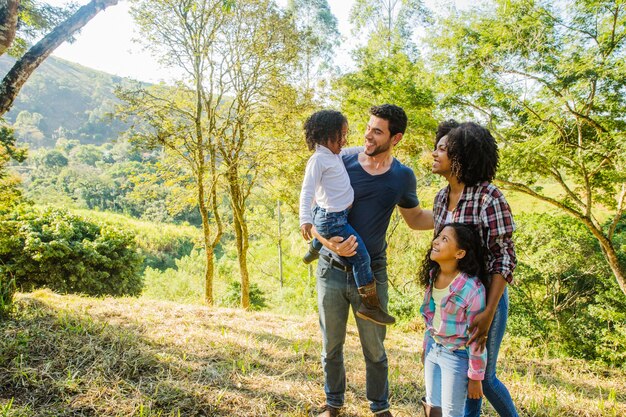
(184, 35)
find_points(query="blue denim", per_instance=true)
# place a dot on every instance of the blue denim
(494, 390)
(336, 294)
(329, 224)
(445, 377)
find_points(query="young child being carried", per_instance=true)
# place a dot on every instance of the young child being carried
(326, 182)
(455, 280)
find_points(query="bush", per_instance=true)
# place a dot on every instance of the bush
(7, 289)
(68, 254)
(183, 284)
(232, 298)
(566, 296)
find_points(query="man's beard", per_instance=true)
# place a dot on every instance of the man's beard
(379, 149)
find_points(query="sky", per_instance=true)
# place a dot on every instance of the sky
(107, 44)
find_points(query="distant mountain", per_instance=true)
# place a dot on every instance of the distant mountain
(64, 99)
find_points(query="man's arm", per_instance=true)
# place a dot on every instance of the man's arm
(417, 218)
(337, 244)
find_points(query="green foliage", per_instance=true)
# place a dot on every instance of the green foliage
(83, 99)
(549, 79)
(398, 80)
(232, 298)
(565, 297)
(65, 253)
(7, 290)
(182, 284)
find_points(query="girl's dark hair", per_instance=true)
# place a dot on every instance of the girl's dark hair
(472, 151)
(473, 263)
(323, 126)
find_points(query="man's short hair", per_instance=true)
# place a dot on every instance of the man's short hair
(395, 115)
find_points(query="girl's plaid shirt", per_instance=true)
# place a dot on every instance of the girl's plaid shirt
(467, 298)
(483, 205)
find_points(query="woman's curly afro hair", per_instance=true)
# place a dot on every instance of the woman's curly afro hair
(472, 150)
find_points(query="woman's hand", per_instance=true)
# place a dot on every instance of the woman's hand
(480, 328)
(474, 389)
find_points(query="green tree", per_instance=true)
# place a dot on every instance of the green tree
(388, 25)
(318, 35)
(185, 121)
(8, 183)
(550, 79)
(259, 50)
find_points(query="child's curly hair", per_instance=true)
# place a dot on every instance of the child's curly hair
(473, 263)
(323, 126)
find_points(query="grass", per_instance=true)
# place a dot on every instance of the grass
(80, 356)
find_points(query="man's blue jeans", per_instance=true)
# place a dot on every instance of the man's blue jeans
(336, 294)
(445, 376)
(329, 224)
(494, 390)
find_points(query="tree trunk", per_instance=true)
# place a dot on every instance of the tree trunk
(24, 67)
(8, 24)
(241, 232)
(208, 247)
(611, 257)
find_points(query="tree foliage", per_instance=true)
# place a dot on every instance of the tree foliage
(550, 79)
(65, 253)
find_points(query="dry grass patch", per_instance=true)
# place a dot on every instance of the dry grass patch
(79, 356)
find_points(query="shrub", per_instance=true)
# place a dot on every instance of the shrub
(183, 284)
(566, 296)
(68, 254)
(232, 298)
(7, 289)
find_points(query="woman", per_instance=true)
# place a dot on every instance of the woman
(466, 155)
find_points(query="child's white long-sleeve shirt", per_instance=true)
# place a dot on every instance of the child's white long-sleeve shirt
(326, 182)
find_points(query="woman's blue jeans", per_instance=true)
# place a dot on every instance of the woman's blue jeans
(494, 390)
(445, 376)
(336, 294)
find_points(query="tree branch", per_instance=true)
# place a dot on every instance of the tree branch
(24, 67)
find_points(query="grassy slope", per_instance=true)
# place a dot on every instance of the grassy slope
(75, 356)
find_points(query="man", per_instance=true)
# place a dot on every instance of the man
(380, 182)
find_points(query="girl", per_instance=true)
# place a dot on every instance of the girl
(327, 183)
(455, 280)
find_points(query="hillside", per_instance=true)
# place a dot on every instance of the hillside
(79, 356)
(64, 99)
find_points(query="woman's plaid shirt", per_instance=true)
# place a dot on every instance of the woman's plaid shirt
(485, 206)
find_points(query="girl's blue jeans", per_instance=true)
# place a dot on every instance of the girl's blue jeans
(329, 224)
(445, 376)
(494, 390)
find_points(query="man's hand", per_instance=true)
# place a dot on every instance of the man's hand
(305, 230)
(480, 328)
(474, 389)
(343, 247)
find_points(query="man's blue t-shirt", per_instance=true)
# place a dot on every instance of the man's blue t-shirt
(375, 197)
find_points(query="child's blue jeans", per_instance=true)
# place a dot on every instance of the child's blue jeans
(445, 377)
(329, 224)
